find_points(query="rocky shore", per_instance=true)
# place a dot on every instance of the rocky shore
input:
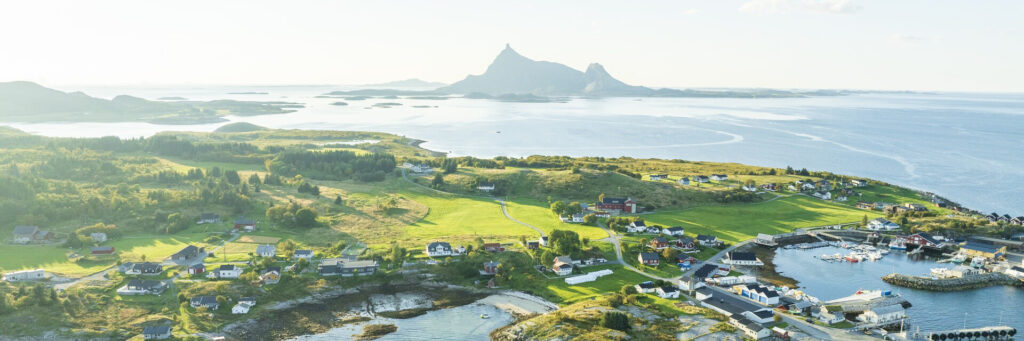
(952, 284)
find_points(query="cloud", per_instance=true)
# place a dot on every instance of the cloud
(909, 38)
(784, 6)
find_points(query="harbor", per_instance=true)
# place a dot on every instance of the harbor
(926, 311)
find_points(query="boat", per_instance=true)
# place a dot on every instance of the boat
(485, 316)
(852, 258)
(959, 258)
(898, 244)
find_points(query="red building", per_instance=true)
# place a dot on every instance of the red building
(103, 250)
(626, 205)
(648, 258)
(196, 269)
(493, 247)
(659, 243)
(924, 239)
(490, 268)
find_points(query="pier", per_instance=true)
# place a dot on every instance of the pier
(984, 333)
(952, 284)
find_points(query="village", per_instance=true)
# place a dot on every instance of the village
(695, 268)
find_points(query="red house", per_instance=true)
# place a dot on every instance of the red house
(648, 258)
(626, 205)
(490, 268)
(494, 247)
(103, 250)
(659, 243)
(196, 269)
(245, 224)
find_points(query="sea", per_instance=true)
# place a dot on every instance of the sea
(929, 312)
(968, 147)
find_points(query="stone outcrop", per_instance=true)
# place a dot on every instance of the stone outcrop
(952, 284)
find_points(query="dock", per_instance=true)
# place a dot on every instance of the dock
(983, 333)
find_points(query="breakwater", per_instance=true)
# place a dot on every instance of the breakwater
(952, 284)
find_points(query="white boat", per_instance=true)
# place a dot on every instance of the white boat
(898, 244)
(959, 258)
(485, 316)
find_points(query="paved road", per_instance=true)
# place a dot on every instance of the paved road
(505, 211)
(614, 239)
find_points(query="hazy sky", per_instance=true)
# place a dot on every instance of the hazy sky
(884, 44)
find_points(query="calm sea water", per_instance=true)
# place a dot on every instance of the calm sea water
(966, 147)
(931, 311)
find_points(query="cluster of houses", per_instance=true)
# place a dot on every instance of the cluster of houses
(882, 224)
(1006, 218)
(685, 180)
(890, 208)
(30, 234)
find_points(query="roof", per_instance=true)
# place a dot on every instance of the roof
(881, 221)
(243, 221)
(927, 237)
(744, 256)
(763, 313)
(801, 305)
(674, 228)
(273, 269)
(980, 247)
(436, 244)
(614, 201)
(685, 239)
(705, 271)
(659, 240)
(303, 252)
(203, 300)
(646, 256)
(358, 263)
(1017, 269)
(748, 323)
(706, 237)
(563, 260)
(156, 330)
(209, 216)
(705, 291)
(668, 288)
(331, 261)
(144, 283)
(638, 223)
(265, 248)
(25, 229)
(888, 309)
(227, 267)
(102, 248)
(187, 250)
(146, 265)
(646, 285)
(197, 266)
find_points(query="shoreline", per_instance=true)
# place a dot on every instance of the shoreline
(322, 312)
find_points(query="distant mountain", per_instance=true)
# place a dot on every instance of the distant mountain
(31, 102)
(411, 83)
(512, 73)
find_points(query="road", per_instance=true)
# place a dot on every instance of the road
(505, 211)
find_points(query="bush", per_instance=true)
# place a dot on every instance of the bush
(615, 320)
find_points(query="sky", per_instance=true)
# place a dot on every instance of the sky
(935, 45)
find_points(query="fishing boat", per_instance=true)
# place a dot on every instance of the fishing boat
(959, 258)
(485, 316)
(852, 258)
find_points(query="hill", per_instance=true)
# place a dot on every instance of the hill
(512, 73)
(239, 127)
(31, 102)
(411, 83)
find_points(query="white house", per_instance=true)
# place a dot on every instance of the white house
(758, 293)
(883, 314)
(859, 182)
(741, 258)
(562, 265)
(882, 224)
(761, 316)
(485, 186)
(750, 188)
(667, 292)
(683, 181)
(823, 195)
(24, 275)
(749, 328)
(303, 254)
(645, 287)
(653, 229)
(637, 227)
(831, 315)
(673, 231)
(807, 185)
(98, 237)
(719, 177)
(439, 249)
(228, 271)
(266, 250)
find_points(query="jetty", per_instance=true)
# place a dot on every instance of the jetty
(952, 284)
(983, 333)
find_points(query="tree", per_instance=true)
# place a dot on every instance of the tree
(438, 181)
(669, 253)
(573, 208)
(547, 258)
(590, 219)
(287, 248)
(864, 220)
(615, 320)
(600, 198)
(254, 179)
(628, 290)
(559, 208)
(337, 201)
(232, 177)
(305, 217)
(564, 242)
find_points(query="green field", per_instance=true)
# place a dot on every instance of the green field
(535, 213)
(739, 222)
(564, 294)
(461, 219)
(55, 259)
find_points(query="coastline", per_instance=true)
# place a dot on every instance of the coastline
(321, 312)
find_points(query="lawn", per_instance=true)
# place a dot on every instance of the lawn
(738, 222)
(54, 259)
(535, 213)
(564, 294)
(461, 220)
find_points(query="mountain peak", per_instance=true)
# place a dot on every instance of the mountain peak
(595, 69)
